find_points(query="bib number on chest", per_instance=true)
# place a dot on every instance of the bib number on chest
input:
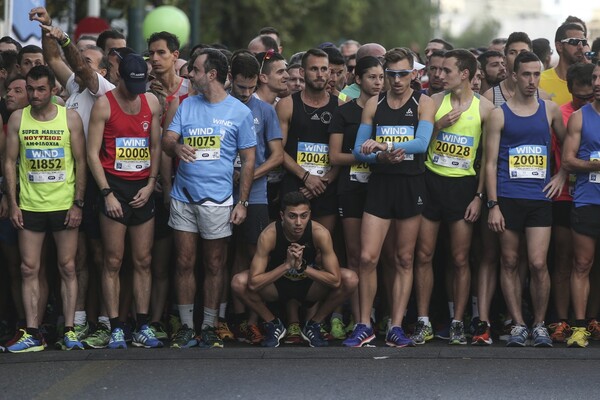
(207, 147)
(595, 175)
(132, 154)
(46, 165)
(360, 173)
(528, 162)
(396, 134)
(313, 157)
(453, 150)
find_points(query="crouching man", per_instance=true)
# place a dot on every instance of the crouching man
(295, 260)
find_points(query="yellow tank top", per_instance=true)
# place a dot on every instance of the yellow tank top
(46, 165)
(452, 151)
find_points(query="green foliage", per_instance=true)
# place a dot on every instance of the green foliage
(302, 24)
(479, 33)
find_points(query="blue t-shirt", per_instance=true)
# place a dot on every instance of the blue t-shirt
(266, 126)
(217, 131)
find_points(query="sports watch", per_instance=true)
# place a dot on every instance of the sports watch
(491, 204)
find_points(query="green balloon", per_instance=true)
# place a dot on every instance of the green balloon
(170, 19)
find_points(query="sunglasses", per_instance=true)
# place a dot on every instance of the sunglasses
(401, 73)
(115, 51)
(575, 41)
(590, 54)
(267, 56)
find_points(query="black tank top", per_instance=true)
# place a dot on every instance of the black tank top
(279, 253)
(407, 115)
(309, 124)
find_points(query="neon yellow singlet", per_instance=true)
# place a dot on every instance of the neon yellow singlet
(452, 151)
(46, 166)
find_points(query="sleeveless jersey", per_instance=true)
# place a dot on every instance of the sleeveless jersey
(308, 136)
(398, 125)
(566, 193)
(523, 163)
(452, 151)
(46, 165)
(498, 96)
(125, 151)
(587, 186)
(279, 253)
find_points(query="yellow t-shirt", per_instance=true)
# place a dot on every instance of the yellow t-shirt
(555, 87)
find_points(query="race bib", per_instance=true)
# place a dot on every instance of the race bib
(396, 134)
(453, 150)
(595, 176)
(208, 147)
(294, 275)
(313, 157)
(46, 165)
(360, 173)
(237, 163)
(528, 162)
(132, 154)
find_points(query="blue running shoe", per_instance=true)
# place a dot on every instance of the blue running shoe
(312, 334)
(540, 336)
(273, 333)
(144, 337)
(360, 336)
(117, 339)
(518, 336)
(396, 338)
(26, 344)
(71, 342)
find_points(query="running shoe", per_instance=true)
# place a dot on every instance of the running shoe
(159, 331)
(457, 333)
(209, 338)
(337, 329)
(223, 331)
(443, 332)
(294, 335)
(82, 331)
(15, 338)
(184, 338)
(253, 334)
(560, 332)
(360, 336)
(174, 324)
(482, 335)
(423, 333)
(396, 338)
(71, 342)
(27, 343)
(117, 339)
(518, 336)
(579, 338)
(144, 337)
(540, 336)
(594, 329)
(274, 332)
(98, 339)
(312, 335)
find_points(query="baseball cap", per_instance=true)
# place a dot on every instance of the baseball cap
(134, 71)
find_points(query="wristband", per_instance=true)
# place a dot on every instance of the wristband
(305, 177)
(65, 42)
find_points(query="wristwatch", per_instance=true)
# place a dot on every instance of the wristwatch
(78, 203)
(244, 203)
(480, 195)
(106, 191)
(491, 204)
(390, 146)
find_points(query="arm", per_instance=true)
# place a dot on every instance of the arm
(171, 144)
(330, 274)
(258, 278)
(571, 145)
(556, 121)
(143, 195)
(10, 168)
(246, 178)
(50, 35)
(492, 146)
(420, 143)
(275, 159)
(336, 156)
(73, 217)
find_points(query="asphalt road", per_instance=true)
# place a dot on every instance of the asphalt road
(433, 371)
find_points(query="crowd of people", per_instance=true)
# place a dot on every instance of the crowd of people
(336, 195)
